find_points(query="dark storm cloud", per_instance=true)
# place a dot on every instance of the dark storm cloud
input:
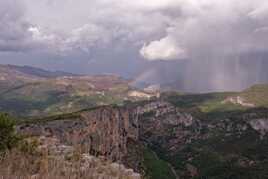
(14, 35)
(162, 29)
(95, 36)
(209, 27)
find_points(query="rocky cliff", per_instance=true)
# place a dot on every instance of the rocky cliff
(102, 131)
(193, 144)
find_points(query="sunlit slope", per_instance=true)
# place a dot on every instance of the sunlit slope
(257, 95)
(37, 94)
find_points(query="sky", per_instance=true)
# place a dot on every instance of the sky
(197, 45)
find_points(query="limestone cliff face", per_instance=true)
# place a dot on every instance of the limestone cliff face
(163, 125)
(103, 131)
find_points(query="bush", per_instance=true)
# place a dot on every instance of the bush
(8, 137)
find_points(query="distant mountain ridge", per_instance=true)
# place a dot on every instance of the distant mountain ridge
(37, 71)
(26, 73)
(29, 91)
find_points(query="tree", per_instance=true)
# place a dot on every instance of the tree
(8, 137)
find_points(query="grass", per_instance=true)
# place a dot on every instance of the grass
(257, 94)
(18, 164)
(213, 102)
(66, 116)
(46, 98)
(217, 104)
(204, 105)
(52, 103)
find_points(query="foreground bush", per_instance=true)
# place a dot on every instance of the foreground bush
(8, 138)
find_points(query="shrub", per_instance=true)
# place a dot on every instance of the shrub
(8, 137)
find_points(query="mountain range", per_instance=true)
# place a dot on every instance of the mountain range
(159, 136)
(32, 91)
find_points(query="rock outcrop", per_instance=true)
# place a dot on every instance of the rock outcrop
(164, 125)
(102, 131)
(260, 125)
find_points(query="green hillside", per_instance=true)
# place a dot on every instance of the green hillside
(257, 94)
(46, 98)
(206, 103)
(28, 92)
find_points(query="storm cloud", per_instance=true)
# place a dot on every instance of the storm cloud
(97, 34)
(161, 29)
(14, 34)
(216, 28)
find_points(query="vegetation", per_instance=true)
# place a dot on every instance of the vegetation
(22, 158)
(8, 137)
(209, 106)
(226, 152)
(30, 92)
(155, 167)
(18, 164)
(51, 103)
(220, 144)
(224, 147)
(257, 94)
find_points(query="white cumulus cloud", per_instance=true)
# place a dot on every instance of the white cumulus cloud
(164, 49)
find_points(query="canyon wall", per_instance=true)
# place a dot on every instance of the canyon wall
(102, 131)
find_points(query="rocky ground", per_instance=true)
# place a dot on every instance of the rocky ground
(186, 143)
